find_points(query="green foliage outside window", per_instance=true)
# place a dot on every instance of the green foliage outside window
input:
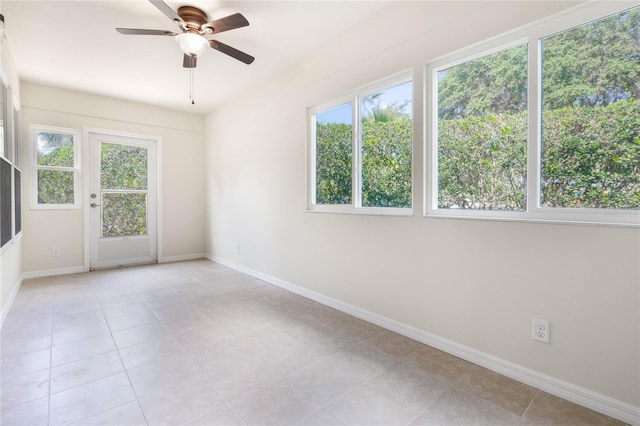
(55, 187)
(482, 162)
(591, 156)
(333, 163)
(386, 166)
(124, 214)
(590, 122)
(57, 151)
(386, 163)
(123, 166)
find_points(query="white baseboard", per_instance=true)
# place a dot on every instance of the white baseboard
(4, 310)
(181, 258)
(52, 272)
(587, 398)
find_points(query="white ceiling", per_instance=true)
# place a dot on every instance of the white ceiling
(74, 45)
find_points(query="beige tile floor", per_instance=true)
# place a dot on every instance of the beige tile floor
(197, 343)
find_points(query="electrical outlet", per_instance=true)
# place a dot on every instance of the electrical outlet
(237, 248)
(540, 330)
(55, 252)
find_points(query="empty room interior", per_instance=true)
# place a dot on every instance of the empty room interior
(220, 212)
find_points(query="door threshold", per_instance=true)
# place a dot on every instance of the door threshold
(128, 265)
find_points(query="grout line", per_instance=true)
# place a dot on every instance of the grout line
(528, 406)
(124, 367)
(50, 366)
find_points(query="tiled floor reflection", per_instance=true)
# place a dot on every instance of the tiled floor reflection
(196, 343)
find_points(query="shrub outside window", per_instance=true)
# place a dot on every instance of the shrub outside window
(362, 151)
(56, 167)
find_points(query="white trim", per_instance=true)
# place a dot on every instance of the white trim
(585, 397)
(4, 310)
(159, 216)
(182, 258)
(52, 272)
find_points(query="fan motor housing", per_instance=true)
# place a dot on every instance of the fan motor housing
(193, 16)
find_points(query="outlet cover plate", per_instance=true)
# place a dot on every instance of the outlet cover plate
(540, 330)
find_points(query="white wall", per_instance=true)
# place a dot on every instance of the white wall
(182, 174)
(474, 282)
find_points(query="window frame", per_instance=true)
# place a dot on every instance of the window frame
(532, 35)
(34, 129)
(17, 171)
(354, 98)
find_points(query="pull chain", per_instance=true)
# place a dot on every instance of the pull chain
(191, 91)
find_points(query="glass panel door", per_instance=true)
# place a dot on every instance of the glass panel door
(122, 202)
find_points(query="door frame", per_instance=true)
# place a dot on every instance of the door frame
(86, 186)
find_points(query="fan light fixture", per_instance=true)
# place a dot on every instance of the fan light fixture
(192, 44)
(194, 24)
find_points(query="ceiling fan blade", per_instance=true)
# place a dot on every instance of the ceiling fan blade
(189, 61)
(231, 22)
(234, 53)
(137, 31)
(170, 13)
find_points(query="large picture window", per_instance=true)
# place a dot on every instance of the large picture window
(591, 115)
(56, 168)
(362, 150)
(539, 124)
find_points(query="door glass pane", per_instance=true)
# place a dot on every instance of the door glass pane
(333, 155)
(124, 214)
(55, 187)
(123, 166)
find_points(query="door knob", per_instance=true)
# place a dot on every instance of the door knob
(95, 205)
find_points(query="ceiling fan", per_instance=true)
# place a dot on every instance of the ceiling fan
(194, 25)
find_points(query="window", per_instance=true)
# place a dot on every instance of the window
(540, 124)
(333, 146)
(362, 151)
(482, 132)
(56, 168)
(591, 115)
(17, 172)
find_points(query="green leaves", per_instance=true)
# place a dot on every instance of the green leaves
(123, 166)
(495, 83)
(56, 151)
(594, 64)
(386, 163)
(124, 214)
(333, 163)
(591, 156)
(55, 187)
(480, 165)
